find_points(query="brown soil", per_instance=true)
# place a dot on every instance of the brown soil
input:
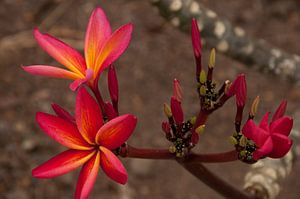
(158, 53)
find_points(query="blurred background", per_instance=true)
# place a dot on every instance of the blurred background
(157, 54)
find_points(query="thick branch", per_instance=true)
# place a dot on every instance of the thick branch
(232, 41)
(213, 181)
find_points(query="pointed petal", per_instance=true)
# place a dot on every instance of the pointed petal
(113, 48)
(88, 115)
(264, 122)
(280, 110)
(87, 177)
(251, 131)
(63, 53)
(282, 145)
(176, 110)
(50, 71)
(62, 163)
(97, 33)
(115, 132)
(62, 113)
(282, 126)
(264, 150)
(112, 166)
(62, 131)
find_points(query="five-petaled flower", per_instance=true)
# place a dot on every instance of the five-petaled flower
(89, 140)
(271, 139)
(102, 48)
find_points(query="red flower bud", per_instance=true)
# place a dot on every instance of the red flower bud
(166, 127)
(177, 91)
(239, 89)
(176, 110)
(110, 111)
(197, 46)
(113, 84)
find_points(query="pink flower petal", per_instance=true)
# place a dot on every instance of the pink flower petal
(112, 166)
(62, 131)
(115, 132)
(176, 110)
(251, 131)
(282, 145)
(264, 122)
(280, 110)
(282, 126)
(50, 71)
(113, 48)
(87, 177)
(62, 113)
(63, 53)
(88, 115)
(62, 163)
(97, 33)
(264, 150)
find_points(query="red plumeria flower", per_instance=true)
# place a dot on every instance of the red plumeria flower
(102, 47)
(89, 140)
(271, 139)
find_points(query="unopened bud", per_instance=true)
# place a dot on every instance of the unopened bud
(212, 58)
(200, 129)
(202, 90)
(193, 120)
(202, 77)
(167, 110)
(233, 140)
(227, 87)
(172, 149)
(166, 127)
(254, 106)
(177, 91)
(243, 141)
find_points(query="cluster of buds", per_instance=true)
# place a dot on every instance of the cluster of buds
(176, 129)
(251, 142)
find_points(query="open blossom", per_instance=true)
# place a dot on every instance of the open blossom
(89, 140)
(102, 48)
(271, 139)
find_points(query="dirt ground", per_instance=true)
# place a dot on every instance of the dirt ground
(157, 54)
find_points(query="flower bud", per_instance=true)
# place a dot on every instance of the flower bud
(166, 127)
(177, 91)
(113, 84)
(110, 111)
(200, 129)
(254, 106)
(202, 77)
(167, 110)
(196, 39)
(212, 58)
(176, 110)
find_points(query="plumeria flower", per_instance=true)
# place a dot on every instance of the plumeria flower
(271, 139)
(102, 48)
(89, 140)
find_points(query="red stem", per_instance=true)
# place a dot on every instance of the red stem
(133, 152)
